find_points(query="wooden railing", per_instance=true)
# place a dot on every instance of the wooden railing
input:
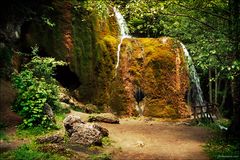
(208, 111)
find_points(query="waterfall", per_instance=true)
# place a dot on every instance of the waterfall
(195, 91)
(123, 30)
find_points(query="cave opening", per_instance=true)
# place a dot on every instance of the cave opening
(66, 77)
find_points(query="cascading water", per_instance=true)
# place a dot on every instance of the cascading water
(123, 30)
(195, 91)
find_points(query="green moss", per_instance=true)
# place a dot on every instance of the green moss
(160, 108)
(145, 62)
(150, 64)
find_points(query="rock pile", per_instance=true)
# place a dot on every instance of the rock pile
(83, 133)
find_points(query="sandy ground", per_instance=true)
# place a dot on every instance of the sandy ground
(145, 138)
(139, 139)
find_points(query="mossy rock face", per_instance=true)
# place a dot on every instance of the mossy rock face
(89, 43)
(156, 66)
(86, 41)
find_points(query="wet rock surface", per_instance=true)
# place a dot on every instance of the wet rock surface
(68, 101)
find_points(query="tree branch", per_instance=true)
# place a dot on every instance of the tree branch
(203, 11)
(190, 17)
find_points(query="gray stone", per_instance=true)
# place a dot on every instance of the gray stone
(50, 139)
(90, 108)
(103, 130)
(104, 117)
(48, 111)
(83, 133)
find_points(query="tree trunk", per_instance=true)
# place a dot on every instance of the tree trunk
(216, 87)
(234, 27)
(210, 85)
(224, 95)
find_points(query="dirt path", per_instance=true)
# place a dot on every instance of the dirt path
(152, 139)
(139, 139)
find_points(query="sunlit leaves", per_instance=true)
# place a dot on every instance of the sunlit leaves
(36, 87)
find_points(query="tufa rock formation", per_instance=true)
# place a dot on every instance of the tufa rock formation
(88, 42)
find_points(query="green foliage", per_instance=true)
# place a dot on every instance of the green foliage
(34, 52)
(29, 152)
(99, 7)
(219, 148)
(3, 136)
(106, 141)
(31, 133)
(102, 156)
(48, 22)
(203, 27)
(143, 17)
(36, 88)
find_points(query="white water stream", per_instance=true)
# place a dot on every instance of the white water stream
(196, 91)
(123, 30)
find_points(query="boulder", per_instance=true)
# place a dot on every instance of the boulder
(49, 112)
(104, 117)
(90, 108)
(82, 133)
(103, 130)
(68, 101)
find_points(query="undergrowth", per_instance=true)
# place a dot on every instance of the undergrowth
(29, 152)
(103, 156)
(3, 136)
(31, 133)
(220, 147)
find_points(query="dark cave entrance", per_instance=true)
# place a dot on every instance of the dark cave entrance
(66, 77)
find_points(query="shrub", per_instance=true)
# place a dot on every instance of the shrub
(36, 87)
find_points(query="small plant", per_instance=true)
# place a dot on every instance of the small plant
(106, 141)
(3, 136)
(102, 156)
(36, 88)
(2, 132)
(29, 152)
(31, 133)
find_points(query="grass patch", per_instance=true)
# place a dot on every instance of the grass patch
(106, 141)
(34, 132)
(3, 136)
(218, 147)
(29, 152)
(31, 133)
(103, 156)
